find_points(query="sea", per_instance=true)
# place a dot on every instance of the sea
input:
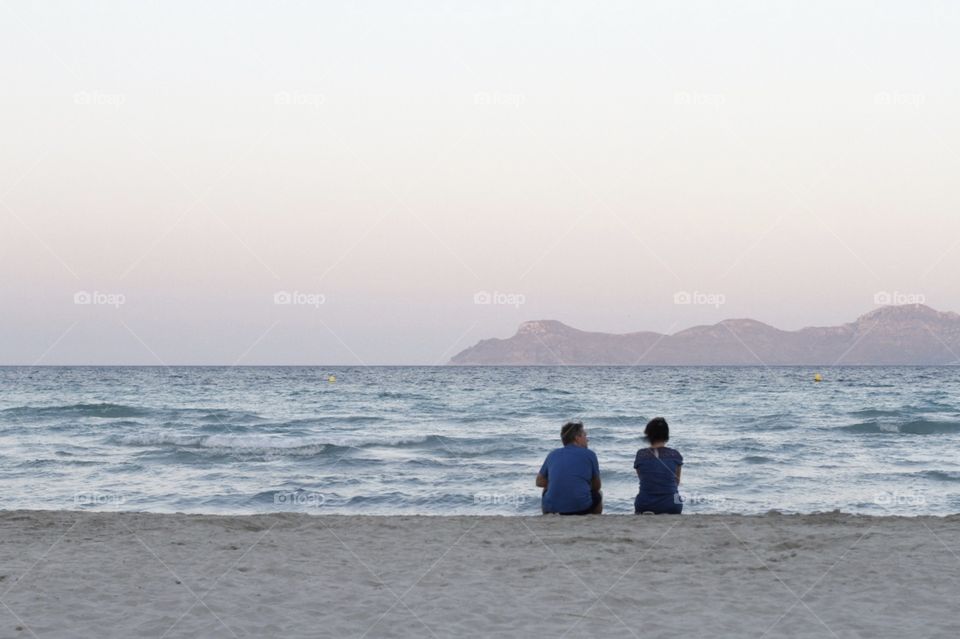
(470, 440)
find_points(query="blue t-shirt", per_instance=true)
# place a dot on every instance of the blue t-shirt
(569, 471)
(657, 469)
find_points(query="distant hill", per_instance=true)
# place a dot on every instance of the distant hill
(913, 334)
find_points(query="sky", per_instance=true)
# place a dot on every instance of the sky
(390, 182)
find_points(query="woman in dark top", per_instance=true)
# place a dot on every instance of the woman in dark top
(658, 469)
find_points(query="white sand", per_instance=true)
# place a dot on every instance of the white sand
(67, 574)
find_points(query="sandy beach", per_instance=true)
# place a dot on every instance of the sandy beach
(70, 574)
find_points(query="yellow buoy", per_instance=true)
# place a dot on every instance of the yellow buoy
(817, 377)
(332, 379)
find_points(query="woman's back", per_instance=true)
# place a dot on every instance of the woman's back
(657, 468)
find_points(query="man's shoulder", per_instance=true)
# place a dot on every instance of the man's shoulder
(585, 453)
(572, 451)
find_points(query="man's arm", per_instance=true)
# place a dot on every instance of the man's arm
(543, 474)
(595, 482)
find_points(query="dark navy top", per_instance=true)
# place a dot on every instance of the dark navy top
(657, 469)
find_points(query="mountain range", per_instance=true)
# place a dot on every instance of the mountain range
(891, 335)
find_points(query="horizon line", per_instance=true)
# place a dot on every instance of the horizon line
(818, 366)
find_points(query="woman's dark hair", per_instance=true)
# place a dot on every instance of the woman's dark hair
(570, 431)
(657, 431)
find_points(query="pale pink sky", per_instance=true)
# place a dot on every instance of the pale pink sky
(185, 164)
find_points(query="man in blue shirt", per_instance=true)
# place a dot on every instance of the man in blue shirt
(570, 476)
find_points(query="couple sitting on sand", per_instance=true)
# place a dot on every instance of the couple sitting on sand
(570, 476)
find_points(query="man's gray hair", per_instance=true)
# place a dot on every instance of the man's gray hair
(570, 431)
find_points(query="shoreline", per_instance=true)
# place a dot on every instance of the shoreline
(126, 574)
(335, 515)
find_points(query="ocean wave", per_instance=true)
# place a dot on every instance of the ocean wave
(863, 383)
(924, 427)
(337, 420)
(102, 409)
(191, 440)
(875, 412)
(772, 421)
(907, 411)
(940, 475)
(256, 445)
(229, 416)
(400, 395)
(917, 427)
(297, 446)
(465, 445)
(939, 407)
(290, 427)
(34, 463)
(870, 427)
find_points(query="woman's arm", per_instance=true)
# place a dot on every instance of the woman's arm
(679, 468)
